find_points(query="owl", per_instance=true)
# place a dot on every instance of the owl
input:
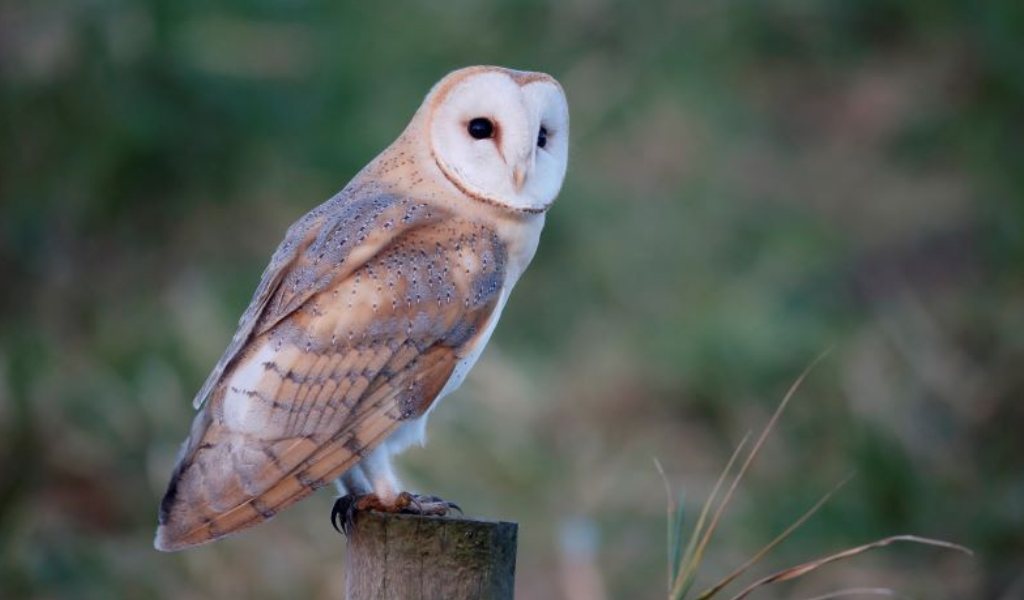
(374, 307)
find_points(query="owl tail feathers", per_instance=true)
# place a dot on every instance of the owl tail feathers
(191, 515)
(230, 482)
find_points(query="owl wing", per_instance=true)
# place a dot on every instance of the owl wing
(327, 243)
(333, 360)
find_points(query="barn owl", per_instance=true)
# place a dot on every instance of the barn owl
(375, 306)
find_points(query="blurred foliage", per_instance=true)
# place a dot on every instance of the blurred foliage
(750, 182)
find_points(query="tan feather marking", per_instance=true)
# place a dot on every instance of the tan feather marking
(294, 451)
(271, 381)
(310, 383)
(265, 510)
(289, 388)
(332, 405)
(318, 402)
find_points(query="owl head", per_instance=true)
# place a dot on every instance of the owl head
(500, 136)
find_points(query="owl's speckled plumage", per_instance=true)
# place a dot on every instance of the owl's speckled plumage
(376, 304)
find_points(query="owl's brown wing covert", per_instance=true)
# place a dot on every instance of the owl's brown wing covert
(328, 243)
(355, 328)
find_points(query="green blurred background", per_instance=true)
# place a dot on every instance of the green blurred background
(749, 184)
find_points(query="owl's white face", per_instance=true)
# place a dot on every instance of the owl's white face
(501, 136)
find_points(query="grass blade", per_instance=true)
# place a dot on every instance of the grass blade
(805, 568)
(710, 592)
(677, 547)
(671, 535)
(706, 537)
(691, 561)
(858, 592)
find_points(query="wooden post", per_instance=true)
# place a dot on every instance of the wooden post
(398, 557)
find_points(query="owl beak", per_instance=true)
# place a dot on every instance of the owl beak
(521, 169)
(519, 177)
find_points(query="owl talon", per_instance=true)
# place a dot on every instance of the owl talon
(345, 508)
(436, 500)
(408, 503)
(430, 505)
(342, 513)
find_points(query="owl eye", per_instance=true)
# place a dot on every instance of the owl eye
(542, 137)
(481, 128)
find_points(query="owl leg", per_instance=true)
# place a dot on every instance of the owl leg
(383, 481)
(370, 485)
(386, 496)
(375, 473)
(353, 482)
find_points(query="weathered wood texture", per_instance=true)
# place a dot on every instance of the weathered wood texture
(407, 557)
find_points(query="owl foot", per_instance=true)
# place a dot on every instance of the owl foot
(345, 508)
